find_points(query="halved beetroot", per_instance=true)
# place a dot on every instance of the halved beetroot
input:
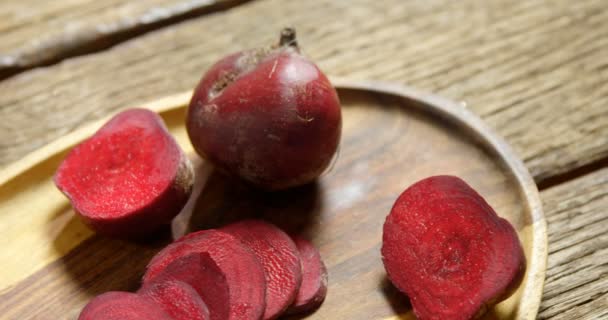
(178, 299)
(202, 273)
(279, 257)
(314, 278)
(447, 249)
(242, 269)
(129, 178)
(122, 306)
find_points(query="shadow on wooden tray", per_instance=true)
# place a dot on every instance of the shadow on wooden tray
(225, 200)
(399, 302)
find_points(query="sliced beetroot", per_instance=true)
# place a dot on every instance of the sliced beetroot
(447, 249)
(242, 269)
(122, 306)
(279, 257)
(178, 299)
(314, 278)
(128, 179)
(202, 273)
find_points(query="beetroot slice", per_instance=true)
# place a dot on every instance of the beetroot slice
(122, 306)
(314, 278)
(243, 271)
(447, 249)
(129, 178)
(279, 257)
(178, 299)
(202, 273)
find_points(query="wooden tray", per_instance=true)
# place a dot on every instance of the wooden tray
(393, 136)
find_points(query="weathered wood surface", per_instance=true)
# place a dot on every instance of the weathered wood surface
(35, 33)
(576, 286)
(535, 70)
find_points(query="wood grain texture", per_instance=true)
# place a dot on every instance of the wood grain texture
(38, 32)
(577, 275)
(342, 213)
(535, 70)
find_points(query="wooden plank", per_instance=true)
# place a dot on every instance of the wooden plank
(577, 283)
(36, 33)
(535, 70)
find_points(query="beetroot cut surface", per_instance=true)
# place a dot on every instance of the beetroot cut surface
(200, 272)
(279, 257)
(122, 306)
(178, 299)
(242, 269)
(447, 249)
(314, 278)
(129, 178)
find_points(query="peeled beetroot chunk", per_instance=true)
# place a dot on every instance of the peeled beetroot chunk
(447, 249)
(178, 299)
(130, 178)
(267, 115)
(279, 257)
(200, 272)
(314, 278)
(122, 306)
(244, 273)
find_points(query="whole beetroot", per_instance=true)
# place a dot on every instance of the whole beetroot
(447, 249)
(269, 116)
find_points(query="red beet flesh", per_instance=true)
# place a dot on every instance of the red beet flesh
(178, 299)
(447, 249)
(130, 178)
(314, 279)
(122, 306)
(202, 273)
(279, 257)
(242, 269)
(269, 116)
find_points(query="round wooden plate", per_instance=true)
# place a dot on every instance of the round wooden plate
(393, 136)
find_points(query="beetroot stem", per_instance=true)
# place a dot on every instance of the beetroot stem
(288, 38)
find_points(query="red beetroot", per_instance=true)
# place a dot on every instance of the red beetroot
(202, 273)
(279, 257)
(178, 299)
(129, 178)
(267, 115)
(122, 306)
(242, 269)
(314, 278)
(447, 249)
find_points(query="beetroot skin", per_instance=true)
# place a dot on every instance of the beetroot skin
(130, 178)
(267, 115)
(178, 299)
(122, 306)
(200, 272)
(313, 290)
(447, 249)
(242, 269)
(279, 257)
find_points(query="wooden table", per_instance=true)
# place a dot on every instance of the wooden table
(536, 71)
